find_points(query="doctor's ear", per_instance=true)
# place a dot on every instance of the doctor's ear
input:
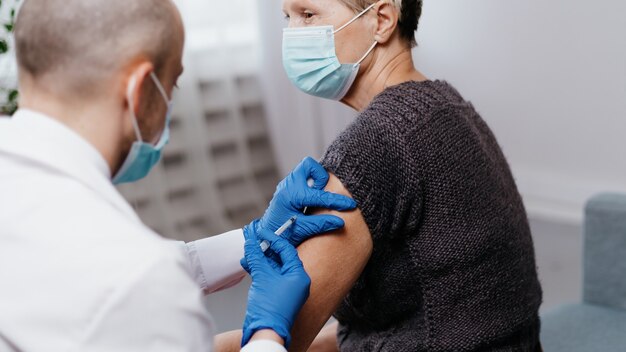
(135, 86)
(387, 17)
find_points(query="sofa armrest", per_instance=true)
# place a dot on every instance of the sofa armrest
(604, 272)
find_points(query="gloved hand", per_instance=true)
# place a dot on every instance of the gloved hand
(293, 194)
(278, 290)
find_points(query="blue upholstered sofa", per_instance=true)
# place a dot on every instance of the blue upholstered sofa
(598, 323)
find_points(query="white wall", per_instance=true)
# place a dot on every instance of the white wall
(550, 79)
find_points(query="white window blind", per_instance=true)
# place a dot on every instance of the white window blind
(219, 171)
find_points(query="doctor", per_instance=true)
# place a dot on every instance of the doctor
(78, 269)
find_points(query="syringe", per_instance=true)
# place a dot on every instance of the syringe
(310, 182)
(265, 245)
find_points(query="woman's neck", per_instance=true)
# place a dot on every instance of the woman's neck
(386, 71)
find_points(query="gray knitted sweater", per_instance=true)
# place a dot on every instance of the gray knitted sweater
(453, 267)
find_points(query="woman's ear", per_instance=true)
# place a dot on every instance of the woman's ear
(387, 17)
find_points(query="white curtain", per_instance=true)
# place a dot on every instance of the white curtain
(219, 171)
(300, 125)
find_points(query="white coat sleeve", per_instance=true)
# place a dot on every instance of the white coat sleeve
(215, 261)
(263, 346)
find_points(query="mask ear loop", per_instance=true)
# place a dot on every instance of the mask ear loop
(367, 54)
(131, 106)
(369, 51)
(156, 81)
(168, 102)
(356, 17)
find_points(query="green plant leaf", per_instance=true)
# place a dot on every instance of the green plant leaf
(10, 106)
(8, 109)
(13, 95)
(9, 103)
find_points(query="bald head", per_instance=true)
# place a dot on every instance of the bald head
(76, 45)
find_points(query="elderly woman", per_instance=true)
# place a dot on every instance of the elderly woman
(439, 256)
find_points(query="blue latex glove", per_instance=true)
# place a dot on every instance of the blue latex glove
(278, 290)
(293, 194)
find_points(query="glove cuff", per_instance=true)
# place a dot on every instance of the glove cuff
(251, 329)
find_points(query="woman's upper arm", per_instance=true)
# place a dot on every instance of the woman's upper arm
(334, 262)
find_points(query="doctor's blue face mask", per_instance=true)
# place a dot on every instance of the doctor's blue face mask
(311, 63)
(143, 156)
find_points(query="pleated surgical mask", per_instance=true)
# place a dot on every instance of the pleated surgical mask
(311, 63)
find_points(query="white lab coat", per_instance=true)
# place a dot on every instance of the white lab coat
(78, 269)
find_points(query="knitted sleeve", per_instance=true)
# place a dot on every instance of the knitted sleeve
(374, 163)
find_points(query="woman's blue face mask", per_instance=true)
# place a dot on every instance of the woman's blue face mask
(311, 63)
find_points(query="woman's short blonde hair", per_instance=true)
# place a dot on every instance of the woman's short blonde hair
(410, 12)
